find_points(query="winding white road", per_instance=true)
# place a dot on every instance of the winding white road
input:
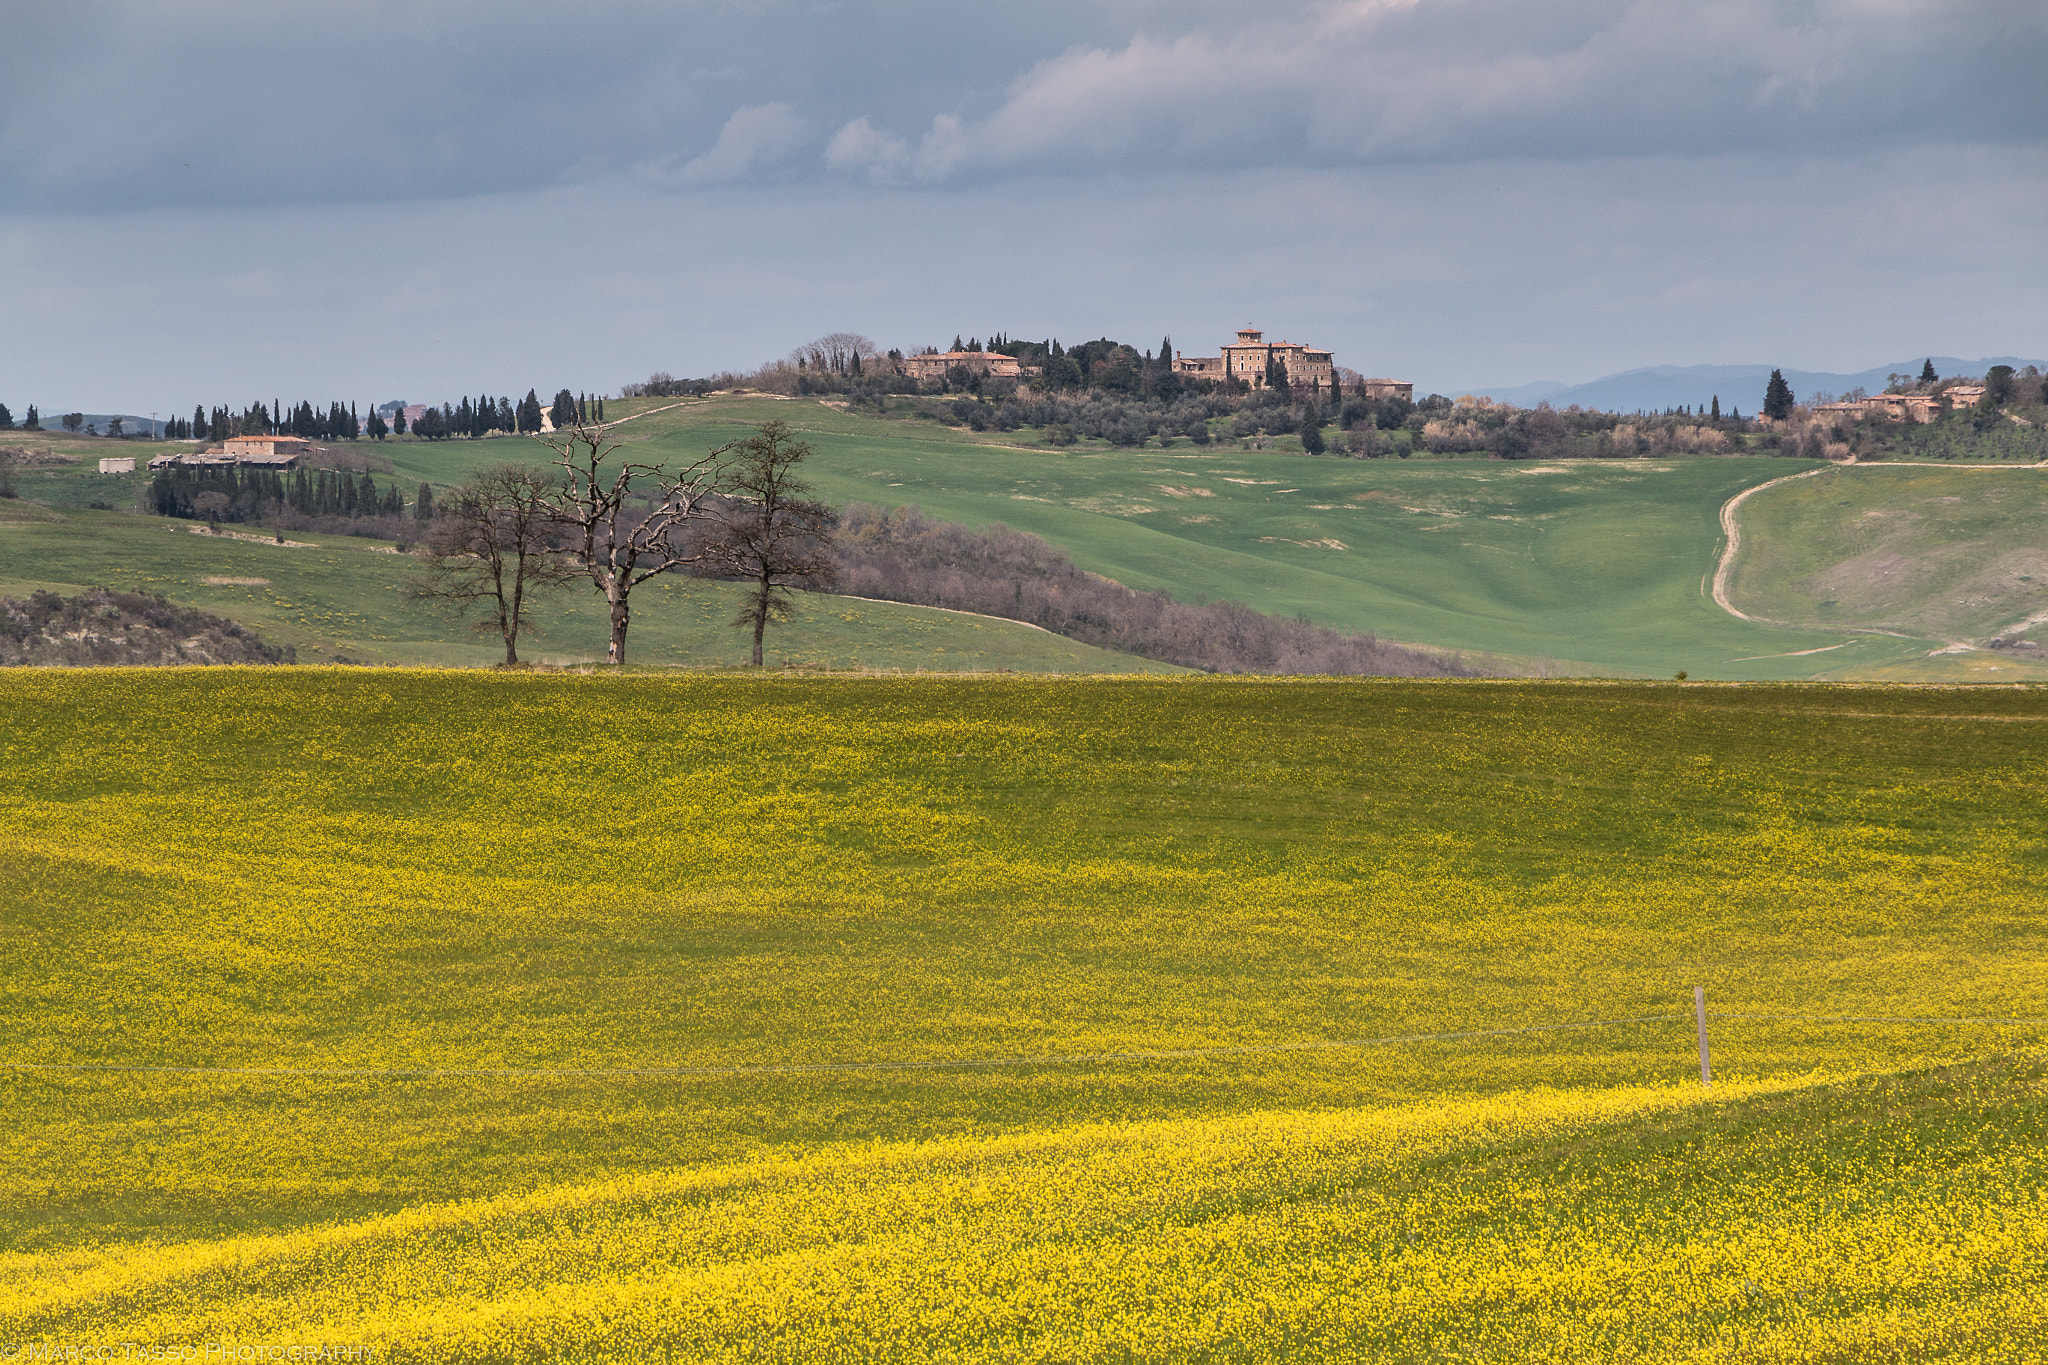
(1731, 535)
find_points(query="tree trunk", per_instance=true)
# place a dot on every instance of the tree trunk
(511, 619)
(760, 618)
(616, 654)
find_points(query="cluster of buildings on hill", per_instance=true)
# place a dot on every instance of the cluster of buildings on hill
(1249, 360)
(990, 364)
(261, 452)
(1905, 407)
(1252, 358)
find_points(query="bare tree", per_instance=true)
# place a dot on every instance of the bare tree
(837, 352)
(619, 548)
(493, 544)
(769, 534)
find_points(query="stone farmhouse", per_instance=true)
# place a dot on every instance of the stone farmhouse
(261, 452)
(1905, 407)
(934, 364)
(1305, 366)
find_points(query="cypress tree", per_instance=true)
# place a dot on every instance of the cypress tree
(1276, 372)
(1927, 374)
(1777, 398)
(600, 411)
(1717, 408)
(423, 506)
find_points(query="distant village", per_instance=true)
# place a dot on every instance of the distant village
(1251, 360)
(1250, 363)
(1904, 407)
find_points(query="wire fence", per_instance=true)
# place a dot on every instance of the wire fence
(966, 1063)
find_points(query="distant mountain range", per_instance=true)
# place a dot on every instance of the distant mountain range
(1738, 386)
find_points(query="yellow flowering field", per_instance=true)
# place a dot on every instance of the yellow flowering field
(472, 1016)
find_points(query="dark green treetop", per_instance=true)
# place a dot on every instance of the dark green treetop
(1777, 397)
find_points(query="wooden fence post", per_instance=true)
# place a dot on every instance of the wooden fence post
(1699, 1009)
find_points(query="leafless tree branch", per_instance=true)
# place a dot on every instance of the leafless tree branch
(617, 547)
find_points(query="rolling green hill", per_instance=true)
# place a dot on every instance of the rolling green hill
(335, 597)
(1584, 566)
(1958, 555)
(504, 1017)
(1581, 567)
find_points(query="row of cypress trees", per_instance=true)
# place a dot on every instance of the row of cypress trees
(469, 417)
(338, 423)
(251, 492)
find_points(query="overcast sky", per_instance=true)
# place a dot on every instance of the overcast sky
(215, 201)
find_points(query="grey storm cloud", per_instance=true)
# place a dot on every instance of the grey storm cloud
(141, 103)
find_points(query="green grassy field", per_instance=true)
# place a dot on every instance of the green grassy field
(568, 946)
(1585, 567)
(1951, 554)
(341, 597)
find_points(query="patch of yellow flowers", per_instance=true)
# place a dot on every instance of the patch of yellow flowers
(362, 898)
(1801, 1223)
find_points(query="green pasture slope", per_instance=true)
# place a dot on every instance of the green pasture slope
(1578, 566)
(449, 935)
(1957, 554)
(341, 597)
(1598, 567)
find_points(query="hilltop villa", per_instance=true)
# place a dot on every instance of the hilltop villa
(1304, 365)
